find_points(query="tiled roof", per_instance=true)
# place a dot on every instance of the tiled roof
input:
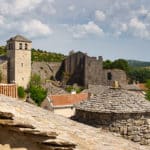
(68, 99)
(116, 101)
(19, 38)
(142, 86)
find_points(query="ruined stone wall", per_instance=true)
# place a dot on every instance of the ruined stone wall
(93, 71)
(132, 126)
(74, 68)
(117, 75)
(46, 70)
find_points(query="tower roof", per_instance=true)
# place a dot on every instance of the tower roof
(19, 38)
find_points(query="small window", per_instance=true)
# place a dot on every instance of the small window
(21, 64)
(20, 45)
(26, 46)
(22, 78)
(109, 76)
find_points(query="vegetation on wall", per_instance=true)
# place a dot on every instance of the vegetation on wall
(71, 88)
(37, 92)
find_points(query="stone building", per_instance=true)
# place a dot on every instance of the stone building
(19, 60)
(121, 111)
(84, 70)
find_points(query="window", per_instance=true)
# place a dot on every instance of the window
(26, 46)
(20, 45)
(109, 76)
(21, 64)
(10, 46)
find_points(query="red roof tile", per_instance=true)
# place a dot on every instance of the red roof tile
(68, 99)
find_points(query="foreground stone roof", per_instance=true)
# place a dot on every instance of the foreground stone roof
(19, 38)
(50, 131)
(116, 101)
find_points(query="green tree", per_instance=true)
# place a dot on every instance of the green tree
(107, 64)
(139, 74)
(35, 80)
(37, 93)
(121, 64)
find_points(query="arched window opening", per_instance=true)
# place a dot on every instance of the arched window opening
(20, 45)
(109, 76)
(26, 46)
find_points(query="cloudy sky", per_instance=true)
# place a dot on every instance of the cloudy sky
(109, 28)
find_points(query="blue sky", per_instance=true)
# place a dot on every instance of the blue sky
(109, 28)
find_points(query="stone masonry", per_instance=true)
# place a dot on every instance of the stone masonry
(27, 127)
(84, 70)
(120, 111)
(19, 60)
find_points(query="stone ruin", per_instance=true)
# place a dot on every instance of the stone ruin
(121, 111)
(84, 70)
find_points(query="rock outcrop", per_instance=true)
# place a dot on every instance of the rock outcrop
(27, 127)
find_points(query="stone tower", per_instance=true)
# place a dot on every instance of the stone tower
(19, 60)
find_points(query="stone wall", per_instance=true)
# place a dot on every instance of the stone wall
(46, 70)
(93, 71)
(116, 75)
(132, 126)
(80, 68)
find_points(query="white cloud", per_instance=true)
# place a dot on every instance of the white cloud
(100, 15)
(80, 31)
(138, 28)
(1, 20)
(35, 28)
(16, 7)
(71, 8)
(137, 24)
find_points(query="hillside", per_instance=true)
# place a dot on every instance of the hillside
(40, 55)
(137, 63)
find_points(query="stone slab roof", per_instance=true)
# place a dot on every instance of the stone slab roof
(19, 38)
(116, 101)
(51, 131)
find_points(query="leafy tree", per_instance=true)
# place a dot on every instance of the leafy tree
(107, 64)
(121, 64)
(139, 74)
(35, 80)
(21, 92)
(148, 84)
(37, 93)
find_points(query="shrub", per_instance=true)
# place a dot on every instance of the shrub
(21, 92)
(147, 96)
(37, 93)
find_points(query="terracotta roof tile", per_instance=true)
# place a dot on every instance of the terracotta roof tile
(68, 99)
